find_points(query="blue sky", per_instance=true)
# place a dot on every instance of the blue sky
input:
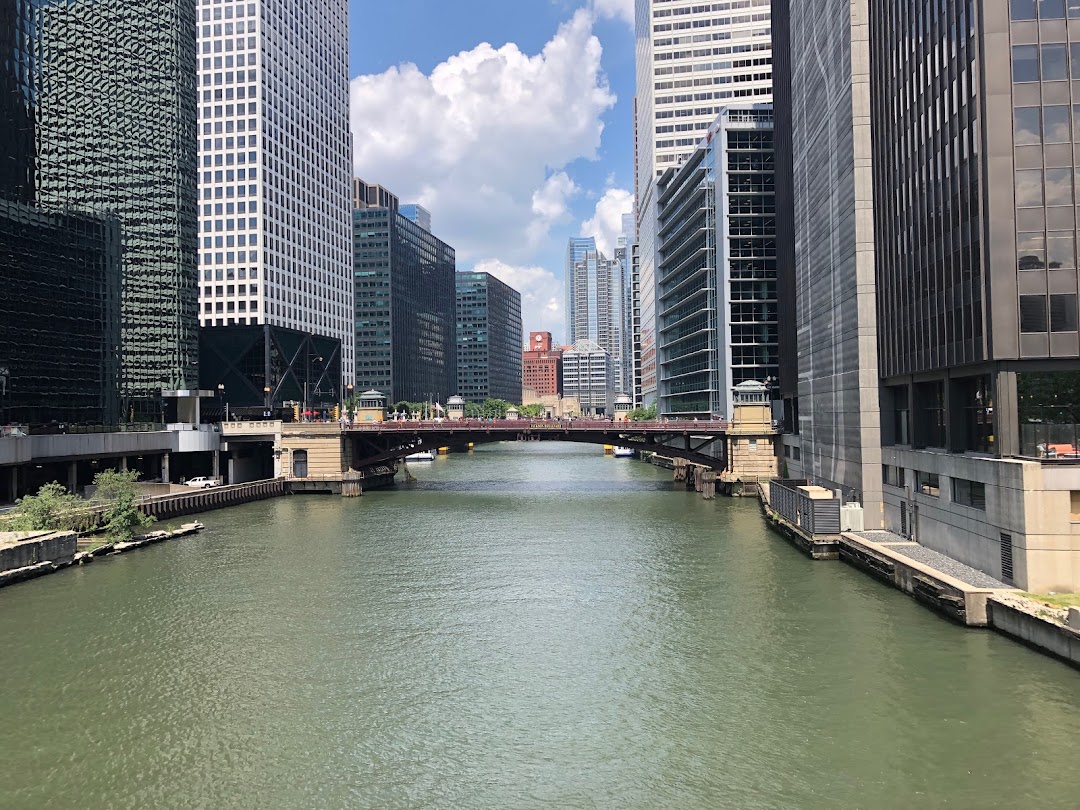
(511, 120)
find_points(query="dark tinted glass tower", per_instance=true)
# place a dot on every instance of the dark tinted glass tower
(405, 308)
(488, 339)
(114, 99)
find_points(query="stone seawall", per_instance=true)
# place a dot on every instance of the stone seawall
(27, 555)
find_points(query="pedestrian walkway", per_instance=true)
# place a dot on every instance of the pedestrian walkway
(935, 559)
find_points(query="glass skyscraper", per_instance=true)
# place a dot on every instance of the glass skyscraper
(99, 139)
(405, 308)
(488, 338)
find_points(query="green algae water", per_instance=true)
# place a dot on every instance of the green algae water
(530, 626)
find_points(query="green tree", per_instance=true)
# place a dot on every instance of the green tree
(118, 494)
(52, 508)
(473, 411)
(534, 411)
(494, 408)
(642, 414)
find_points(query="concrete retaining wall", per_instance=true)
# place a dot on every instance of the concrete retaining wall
(203, 500)
(1042, 634)
(57, 548)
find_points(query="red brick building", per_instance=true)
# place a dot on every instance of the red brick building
(542, 366)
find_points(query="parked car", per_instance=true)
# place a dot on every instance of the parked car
(202, 482)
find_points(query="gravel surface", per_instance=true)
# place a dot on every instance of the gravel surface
(934, 559)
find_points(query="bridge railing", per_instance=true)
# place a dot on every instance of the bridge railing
(657, 426)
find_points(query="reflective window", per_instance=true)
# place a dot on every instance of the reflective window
(1054, 62)
(1025, 64)
(1022, 9)
(1051, 9)
(1030, 251)
(1056, 124)
(1060, 249)
(1029, 191)
(1063, 313)
(1027, 126)
(1059, 187)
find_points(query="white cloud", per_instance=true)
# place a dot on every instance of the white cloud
(550, 206)
(541, 294)
(615, 10)
(606, 223)
(482, 141)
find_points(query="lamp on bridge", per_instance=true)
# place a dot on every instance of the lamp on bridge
(266, 401)
(221, 397)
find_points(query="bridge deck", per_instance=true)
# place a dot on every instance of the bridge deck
(528, 425)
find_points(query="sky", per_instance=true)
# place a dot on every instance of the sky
(510, 120)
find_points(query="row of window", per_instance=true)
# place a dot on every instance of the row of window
(964, 492)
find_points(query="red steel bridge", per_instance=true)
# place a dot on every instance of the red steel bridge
(380, 442)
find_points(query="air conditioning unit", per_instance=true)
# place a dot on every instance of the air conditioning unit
(851, 517)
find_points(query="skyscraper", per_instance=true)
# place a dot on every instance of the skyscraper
(488, 339)
(275, 222)
(827, 250)
(541, 368)
(978, 334)
(99, 144)
(594, 295)
(405, 308)
(691, 61)
(716, 267)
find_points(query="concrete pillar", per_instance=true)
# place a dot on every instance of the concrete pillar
(217, 463)
(232, 470)
(14, 484)
(123, 464)
(73, 477)
(166, 478)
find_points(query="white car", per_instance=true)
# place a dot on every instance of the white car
(202, 482)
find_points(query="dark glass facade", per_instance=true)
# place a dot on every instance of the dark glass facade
(489, 335)
(59, 317)
(296, 366)
(405, 301)
(98, 113)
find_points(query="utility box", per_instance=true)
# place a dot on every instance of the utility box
(851, 518)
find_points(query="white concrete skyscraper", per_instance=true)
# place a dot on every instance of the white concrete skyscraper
(275, 196)
(693, 59)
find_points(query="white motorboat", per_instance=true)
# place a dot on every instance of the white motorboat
(624, 452)
(423, 455)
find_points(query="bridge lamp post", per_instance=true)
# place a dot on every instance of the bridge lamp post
(221, 397)
(266, 399)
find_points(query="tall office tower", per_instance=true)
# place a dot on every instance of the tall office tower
(979, 328)
(587, 377)
(488, 339)
(594, 296)
(98, 142)
(541, 368)
(624, 287)
(716, 267)
(418, 214)
(405, 310)
(274, 152)
(824, 98)
(692, 59)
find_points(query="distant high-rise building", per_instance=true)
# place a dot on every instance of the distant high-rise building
(488, 338)
(405, 310)
(587, 377)
(98, 170)
(624, 285)
(542, 367)
(275, 230)
(594, 296)
(418, 214)
(682, 85)
(716, 267)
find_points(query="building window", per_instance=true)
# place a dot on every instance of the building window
(892, 475)
(1027, 126)
(1063, 313)
(969, 493)
(929, 409)
(1025, 63)
(1030, 251)
(1074, 506)
(1049, 413)
(1032, 313)
(927, 484)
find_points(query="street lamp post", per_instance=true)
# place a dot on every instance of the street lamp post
(221, 396)
(266, 400)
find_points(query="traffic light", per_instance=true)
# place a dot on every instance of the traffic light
(296, 413)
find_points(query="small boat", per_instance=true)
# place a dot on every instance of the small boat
(423, 455)
(624, 452)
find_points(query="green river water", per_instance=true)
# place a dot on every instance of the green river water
(530, 626)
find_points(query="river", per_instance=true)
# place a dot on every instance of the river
(532, 625)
